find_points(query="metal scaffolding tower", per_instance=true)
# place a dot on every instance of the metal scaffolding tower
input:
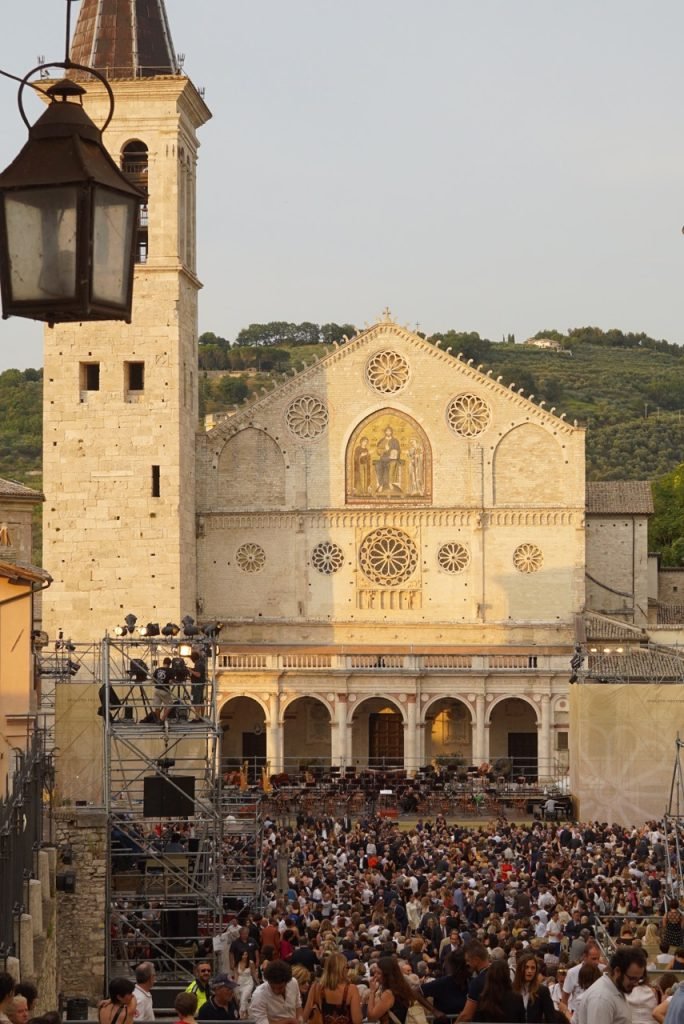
(673, 826)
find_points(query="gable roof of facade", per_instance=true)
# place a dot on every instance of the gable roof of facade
(365, 338)
(13, 489)
(124, 38)
(619, 497)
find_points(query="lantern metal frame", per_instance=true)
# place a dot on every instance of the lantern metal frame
(86, 167)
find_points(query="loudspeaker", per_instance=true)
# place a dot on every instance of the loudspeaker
(161, 798)
(179, 924)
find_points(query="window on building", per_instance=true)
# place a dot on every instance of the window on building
(134, 376)
(562, 741)
(134, 164)
(89, 374)
(156, 486)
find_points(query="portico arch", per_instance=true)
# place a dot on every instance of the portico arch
(243, 724)
(448, 729)
(513, 725)
(306, 733)
(377, 732)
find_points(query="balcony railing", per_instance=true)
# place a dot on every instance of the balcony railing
(379, 662)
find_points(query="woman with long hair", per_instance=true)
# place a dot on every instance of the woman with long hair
(337, 1000)
(247, 980)
(121, 1006)
(499, 1004)
(536, 996)
(390, 993)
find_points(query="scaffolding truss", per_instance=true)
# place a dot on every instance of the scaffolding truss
(180, 852)
(60, 662)
(621, 663)
(673, 826)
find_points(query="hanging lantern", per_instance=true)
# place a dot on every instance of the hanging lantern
(68, 219)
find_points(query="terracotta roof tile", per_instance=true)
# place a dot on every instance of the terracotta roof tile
(13, 489)
(124, 38)
(619, 497)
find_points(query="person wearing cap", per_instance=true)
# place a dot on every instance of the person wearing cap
(221, 1004)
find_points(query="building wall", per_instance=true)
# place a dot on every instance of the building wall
(110, 542)
(17, 694)
(273, 487)
(617, 566)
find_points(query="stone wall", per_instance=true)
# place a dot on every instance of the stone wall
(81, 914)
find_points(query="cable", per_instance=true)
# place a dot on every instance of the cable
(14, 78)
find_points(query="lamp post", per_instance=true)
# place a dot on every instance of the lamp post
(68, 217)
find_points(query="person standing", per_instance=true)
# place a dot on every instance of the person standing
(277, 999)
(221, 1004)
(198, 683)
(535, 995)
(145, 977)
(606, 1001)
(200, 986)
(6, 995)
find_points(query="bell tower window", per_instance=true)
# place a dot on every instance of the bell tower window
(134, 164)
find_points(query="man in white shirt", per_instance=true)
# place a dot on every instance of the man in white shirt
(571, 986)
(277, 1000)
(145, 978)
(605, 1002)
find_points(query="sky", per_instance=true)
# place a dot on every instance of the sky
(500, 166)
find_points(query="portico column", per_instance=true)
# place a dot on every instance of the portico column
(410, 736)
(274, 736)
(479, 730)
(544, 747)
(340, 752)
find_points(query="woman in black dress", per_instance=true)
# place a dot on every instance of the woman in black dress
(535, 995)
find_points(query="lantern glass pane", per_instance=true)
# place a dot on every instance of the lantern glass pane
(115, 219)
(41, 238)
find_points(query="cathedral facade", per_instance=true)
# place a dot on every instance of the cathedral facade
(392, 539)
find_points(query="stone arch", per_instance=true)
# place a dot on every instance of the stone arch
(307, 732)
(377, 731)
(243, 719)
(448, 725)
(389, 460)
(528, 467)
(513, 723)
(251, 471)
(134, 157)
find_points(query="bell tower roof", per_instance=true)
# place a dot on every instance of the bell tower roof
(124, 38)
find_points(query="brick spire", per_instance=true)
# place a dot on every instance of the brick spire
(124, 38)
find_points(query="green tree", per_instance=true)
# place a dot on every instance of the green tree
(666, 528)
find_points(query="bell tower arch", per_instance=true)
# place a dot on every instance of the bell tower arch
(120, 400)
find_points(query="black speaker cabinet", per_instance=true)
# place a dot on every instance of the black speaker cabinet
(162, 799)
(179, 924)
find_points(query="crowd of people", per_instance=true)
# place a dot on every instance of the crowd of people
(502, 922)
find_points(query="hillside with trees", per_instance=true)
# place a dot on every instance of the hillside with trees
(626, 389)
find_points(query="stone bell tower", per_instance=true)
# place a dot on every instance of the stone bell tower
(120, 400)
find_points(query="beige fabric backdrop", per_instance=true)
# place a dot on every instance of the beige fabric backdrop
(622, 749)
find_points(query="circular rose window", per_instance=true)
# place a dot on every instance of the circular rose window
(251, 557)
(528, 558)
(327, 558)
(387, 372)
(453, 557)
(388, 557)
(468, 415)
(307, 417)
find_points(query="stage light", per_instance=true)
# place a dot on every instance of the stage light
(190, 627)
(212, 629)
(170, 629)
(185, 650)
(151, 629)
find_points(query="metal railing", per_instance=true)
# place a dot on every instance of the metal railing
(22, 824)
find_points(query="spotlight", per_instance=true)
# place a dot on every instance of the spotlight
(185, 650)
(130, 621)
(151, 629)
(138, 670)
(190, 627)
(164, 763)
(73, 667)
(212, 629)
(170, 629)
